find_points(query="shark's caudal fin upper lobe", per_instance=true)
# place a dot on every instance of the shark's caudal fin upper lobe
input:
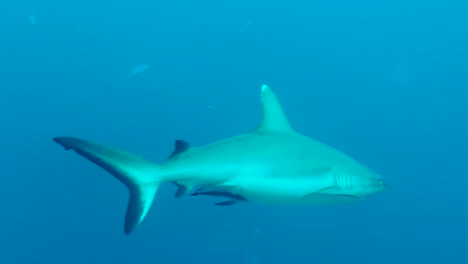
(141, 177)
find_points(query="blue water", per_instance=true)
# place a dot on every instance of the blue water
(384, 81)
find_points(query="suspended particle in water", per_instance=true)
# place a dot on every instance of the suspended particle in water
(32, 20)
(138, 70)
(246, 26)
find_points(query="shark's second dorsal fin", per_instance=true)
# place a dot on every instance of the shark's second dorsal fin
(180, 147)
(274, 119)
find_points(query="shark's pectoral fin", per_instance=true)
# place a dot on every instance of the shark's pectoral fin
(227, 203)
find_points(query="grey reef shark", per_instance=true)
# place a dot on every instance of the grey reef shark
(271, 164)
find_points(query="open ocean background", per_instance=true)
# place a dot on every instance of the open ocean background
(383, 81)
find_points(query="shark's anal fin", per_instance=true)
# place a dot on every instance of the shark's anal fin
(180, 147)
(226, 203)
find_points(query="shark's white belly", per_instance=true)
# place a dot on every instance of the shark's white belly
(284, 190)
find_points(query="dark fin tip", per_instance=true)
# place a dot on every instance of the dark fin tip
(61, 141)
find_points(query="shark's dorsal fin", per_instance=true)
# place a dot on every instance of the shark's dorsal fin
(180, 147)
(274, 119)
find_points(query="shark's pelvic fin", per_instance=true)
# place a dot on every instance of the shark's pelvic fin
(274, 119)
(180, 147)
(141, 177)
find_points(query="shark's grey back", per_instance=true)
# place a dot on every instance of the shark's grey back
(277, 152)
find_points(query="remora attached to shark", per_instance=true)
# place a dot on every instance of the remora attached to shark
(272, 164)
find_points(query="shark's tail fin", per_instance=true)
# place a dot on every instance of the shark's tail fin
(141, 177)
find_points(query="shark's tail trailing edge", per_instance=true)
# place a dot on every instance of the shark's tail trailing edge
(141, 177)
